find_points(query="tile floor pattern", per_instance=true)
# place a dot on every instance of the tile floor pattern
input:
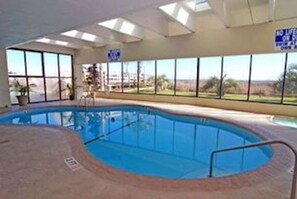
(32, 164)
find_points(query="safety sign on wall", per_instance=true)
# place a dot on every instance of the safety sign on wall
(114, 55)
(286, 39)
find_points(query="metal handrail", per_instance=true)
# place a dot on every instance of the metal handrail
(91, 99)
(293, 185)
(88, 100)
(83, 97)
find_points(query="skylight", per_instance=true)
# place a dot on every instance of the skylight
(169, 9)
(43, 40)
(109, 24)
(51, 41)
(88, 37)
(80, 35)
(119, 24)
(72, 33)
(127, 27)
(177, 12)
(198, 5)
(62, 43)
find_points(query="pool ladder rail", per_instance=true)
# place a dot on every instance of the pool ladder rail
(87, 100)
(269, 142)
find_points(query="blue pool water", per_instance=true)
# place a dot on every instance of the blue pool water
(151, 142)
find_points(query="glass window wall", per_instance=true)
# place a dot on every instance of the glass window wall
(210, 77)
(130, 77)
(186, 76)
(290, 91)
(265, 77)
(165, 76)
(236, 77)
(115, 76)
(41, 72)
(147, 77)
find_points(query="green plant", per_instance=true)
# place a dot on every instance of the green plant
(291, 81)
(213, 83)
(20, 88)
(69, 88)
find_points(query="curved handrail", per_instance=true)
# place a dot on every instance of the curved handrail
(83, 97)
(87, 100)
(91, 99)
(270, 142)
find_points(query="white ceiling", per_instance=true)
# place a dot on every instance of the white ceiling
(94, 23)
(23, 20)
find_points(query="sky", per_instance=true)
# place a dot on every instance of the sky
(16, 63)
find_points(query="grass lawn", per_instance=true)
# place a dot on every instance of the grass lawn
(147, 90)
(253, 98)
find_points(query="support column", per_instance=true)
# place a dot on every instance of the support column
(4, 84)
(77, 72)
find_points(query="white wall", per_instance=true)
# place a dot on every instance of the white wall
(4, 85)
(232, 41)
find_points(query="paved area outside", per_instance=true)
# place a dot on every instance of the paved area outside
(32, 164)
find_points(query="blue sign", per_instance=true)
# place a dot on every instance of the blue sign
(114, 55)
(286, 39)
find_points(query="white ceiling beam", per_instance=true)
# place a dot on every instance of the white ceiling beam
(271, 10)
(72, 40)
(180, 14)
(219, 7)
(123, 26)
(151, 20)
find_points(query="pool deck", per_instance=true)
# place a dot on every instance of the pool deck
(32, 163)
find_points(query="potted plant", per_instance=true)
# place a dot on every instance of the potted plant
(22, 91)
(70, 88)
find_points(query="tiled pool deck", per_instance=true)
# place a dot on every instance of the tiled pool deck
(32, 164)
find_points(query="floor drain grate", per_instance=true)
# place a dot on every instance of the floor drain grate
(72, 163)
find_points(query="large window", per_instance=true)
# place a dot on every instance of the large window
(147, 77)
(65, 65)
(16, 62)
(265, 83)
(130, 77)
(34, 64)
(51, 65)
(46, 73)
(186, 76)
(102, 76)
(52, 88)
(256, 78)
(210, 77)
(290, 92)
(37, 94)
(235, 77)
(165, 76)
(51, 70)
(13, 93)
(115, 76)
